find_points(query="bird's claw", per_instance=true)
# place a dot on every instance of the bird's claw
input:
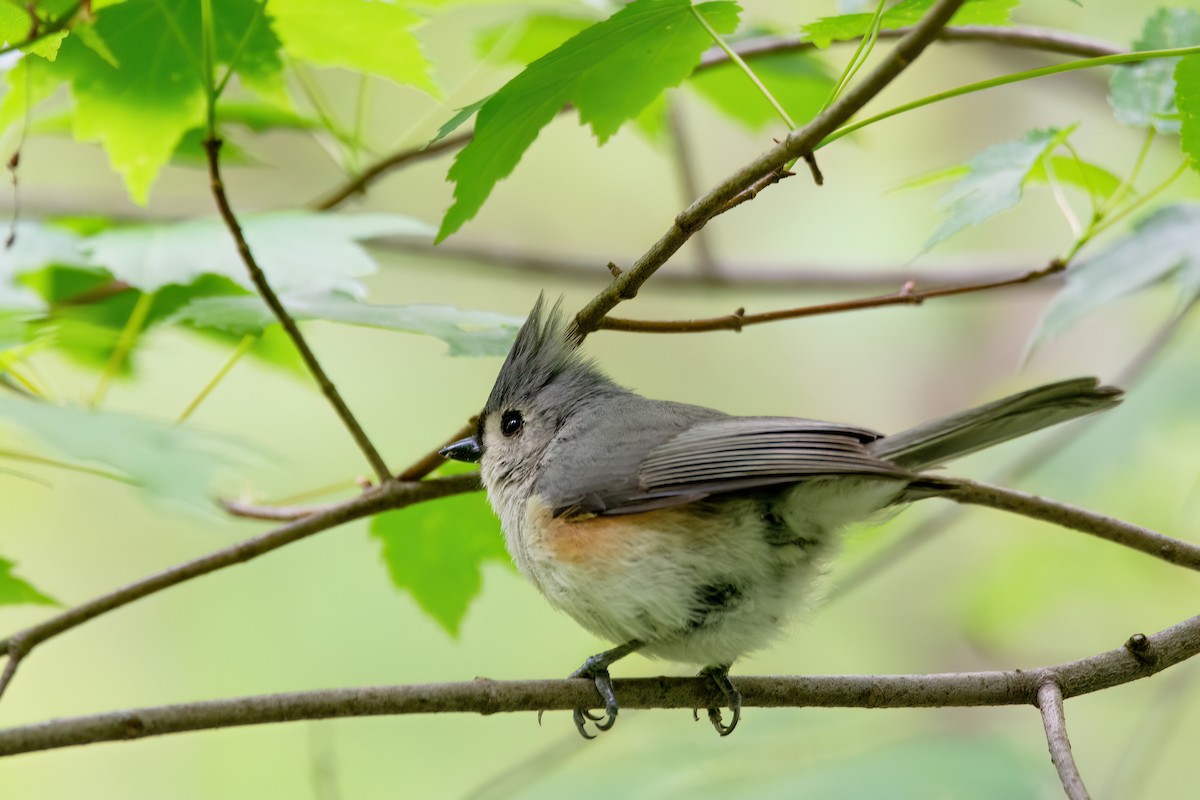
(720, 676)
(599, 675)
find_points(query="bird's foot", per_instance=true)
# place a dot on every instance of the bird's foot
(596, 668)
(720, 676)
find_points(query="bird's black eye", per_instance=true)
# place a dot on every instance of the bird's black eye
(511, 423)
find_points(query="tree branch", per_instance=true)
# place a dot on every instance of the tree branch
(484, 696)
(795, 145)
(389, 496)
(1173, 551)
(1050, 702)
(212, 147)
(739, 319)
(1022, 37)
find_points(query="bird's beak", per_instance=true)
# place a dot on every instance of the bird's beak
(467, 449)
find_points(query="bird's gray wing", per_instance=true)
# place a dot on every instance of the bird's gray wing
(738, 453)
(694, 458)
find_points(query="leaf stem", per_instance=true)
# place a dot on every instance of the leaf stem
(1130, 179)
(1141, 201)
(241, 350)
(1004, 80)
(737, 59)
(866, 43)
(129, 335)
(1060, 198)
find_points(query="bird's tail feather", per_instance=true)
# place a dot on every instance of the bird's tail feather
(945, 439)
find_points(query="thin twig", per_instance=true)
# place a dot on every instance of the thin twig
(1027, 38)
(1050, 702)
(483, 696)
(212, 147)
(1173, 551)
(389, 496)
(795, 145)
(907, 295)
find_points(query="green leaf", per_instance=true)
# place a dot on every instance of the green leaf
(462, 115)
(298, 251)
(1163, 246)
(14, 591)
(853, 26)
(528, 39)
(1143, 95)
(30, 83)
(1091, 178)
(34, 247)
(933, 178)
(436, 550)
(610, 71)
(169, 462)
(140, 110)
(1187, 98)
(799, 81)
(364, 35)
(993, 183)
(469, 333)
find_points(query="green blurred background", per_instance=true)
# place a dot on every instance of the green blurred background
(992, 592)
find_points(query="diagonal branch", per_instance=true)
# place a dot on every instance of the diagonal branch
(1126, 534)
(1050, 702)
(771, 163)
(1151, 655)
(212, 147)
(1030, 38)
(390, 495)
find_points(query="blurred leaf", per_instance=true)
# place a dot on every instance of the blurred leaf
(1163, 246)
(1187, 98)
(30, 83)
(799, 81)
(528, 39)
(1090, 178)
(460, 116)
(933, 178)
(14, 591)
(298, 251)
(1143, 95)
(140, 110)
(172, 463)
(469, 333)
(908, 12)
(435, 551)
(363, 35)
(34, 246)
(610, 71)
(993, 182)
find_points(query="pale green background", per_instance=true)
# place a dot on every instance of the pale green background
(995, 592)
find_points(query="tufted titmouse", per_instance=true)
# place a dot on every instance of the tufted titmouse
(685, 533)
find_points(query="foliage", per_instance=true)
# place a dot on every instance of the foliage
(109, 287)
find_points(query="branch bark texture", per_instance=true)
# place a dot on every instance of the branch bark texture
(482, 696)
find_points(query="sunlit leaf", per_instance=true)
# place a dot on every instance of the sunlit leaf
(799, 81)
(436, 551)
(1143, 95)
(908, 12)
(993, 182)
(469, 333)
(1187, 98)
(298, 251)
(139, 110)
(14, 591)
(1164, 246)
(1084, 175)
(610, 72)
(172, 463)
(364, 35)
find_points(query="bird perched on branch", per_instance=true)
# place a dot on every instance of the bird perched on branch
(685, 533)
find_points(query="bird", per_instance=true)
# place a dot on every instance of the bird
(685, 533)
